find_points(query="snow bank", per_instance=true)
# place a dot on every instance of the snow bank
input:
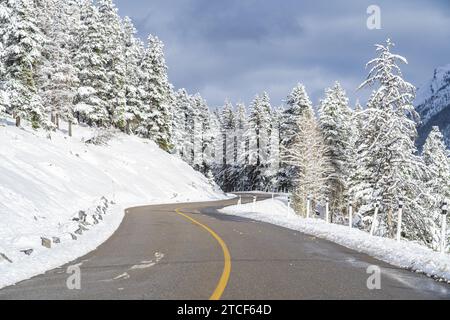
(408, 255)
(45, 183)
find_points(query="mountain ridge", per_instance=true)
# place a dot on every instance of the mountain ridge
(433, 105)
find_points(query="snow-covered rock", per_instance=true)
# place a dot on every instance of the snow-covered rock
(47, 184)
(433, 104)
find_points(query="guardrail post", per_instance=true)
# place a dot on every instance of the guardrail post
(399, 222)
(444, 226)
(289, 204)
(350, 214)
(308, 207)
(375, 218)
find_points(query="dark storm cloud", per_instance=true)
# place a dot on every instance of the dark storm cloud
(237, 48)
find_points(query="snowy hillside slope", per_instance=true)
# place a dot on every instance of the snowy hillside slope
(433, 104)
(44, 184)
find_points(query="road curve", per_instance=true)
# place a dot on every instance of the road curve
(161, 253)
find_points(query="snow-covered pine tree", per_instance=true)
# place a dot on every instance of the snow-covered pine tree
(183, 125)
(58, 76)
(358, 120)
(270, 167)
(90, 60)
(260, 130)
(22, 40)
(242, 152)
(387, 166)
(308, 153)
(203, 137)
(3, 104)
(178, 123)
(133, 54)
(298, 103)
(228, 127)
(4, 21)
(241, 116)
(4, 98)
(157, 115)
(335, 118)
(228, 118)
(357, 125)
(267, 127)
(114, 62)
(216, 145)
(278, 119)
(276, 159)
(435, 156)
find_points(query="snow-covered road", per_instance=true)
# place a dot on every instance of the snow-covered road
(159, 254)
(407, 255)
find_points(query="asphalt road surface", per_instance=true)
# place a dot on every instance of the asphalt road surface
(197, 253)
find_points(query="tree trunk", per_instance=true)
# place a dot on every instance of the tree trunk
(57, 121)
(52, 118)
(70, 128)
(258, 149)
(18, 121)
(389, 222)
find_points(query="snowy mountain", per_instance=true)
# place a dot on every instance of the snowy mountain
(433, 104)
(71, 193)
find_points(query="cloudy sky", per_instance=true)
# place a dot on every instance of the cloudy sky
(236, 48)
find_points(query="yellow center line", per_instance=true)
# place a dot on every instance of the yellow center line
(217, 294)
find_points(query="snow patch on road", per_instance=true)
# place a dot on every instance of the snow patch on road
(408, 255)
(123, 276)
(44, 183)
(148, 264)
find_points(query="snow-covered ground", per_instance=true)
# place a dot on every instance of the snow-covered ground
(44, 183)
(405, 254)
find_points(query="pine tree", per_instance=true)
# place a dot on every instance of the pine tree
(260, 131)
(358, 120)
(308, 153)
(113, 54)
(267, 126)
(336, 125)
(4, 21)
(216, 145)
(298, 103)
(241, 145)
(4, 103)
(133, 53)
(277, 147)
(203, 139)
(156, 117)
(58, 75)
(90, 60)
(228, 118)
(241, 116)
(435, 157)
(228, 126)
(388, 168)
(23, 38)
(183, 125)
